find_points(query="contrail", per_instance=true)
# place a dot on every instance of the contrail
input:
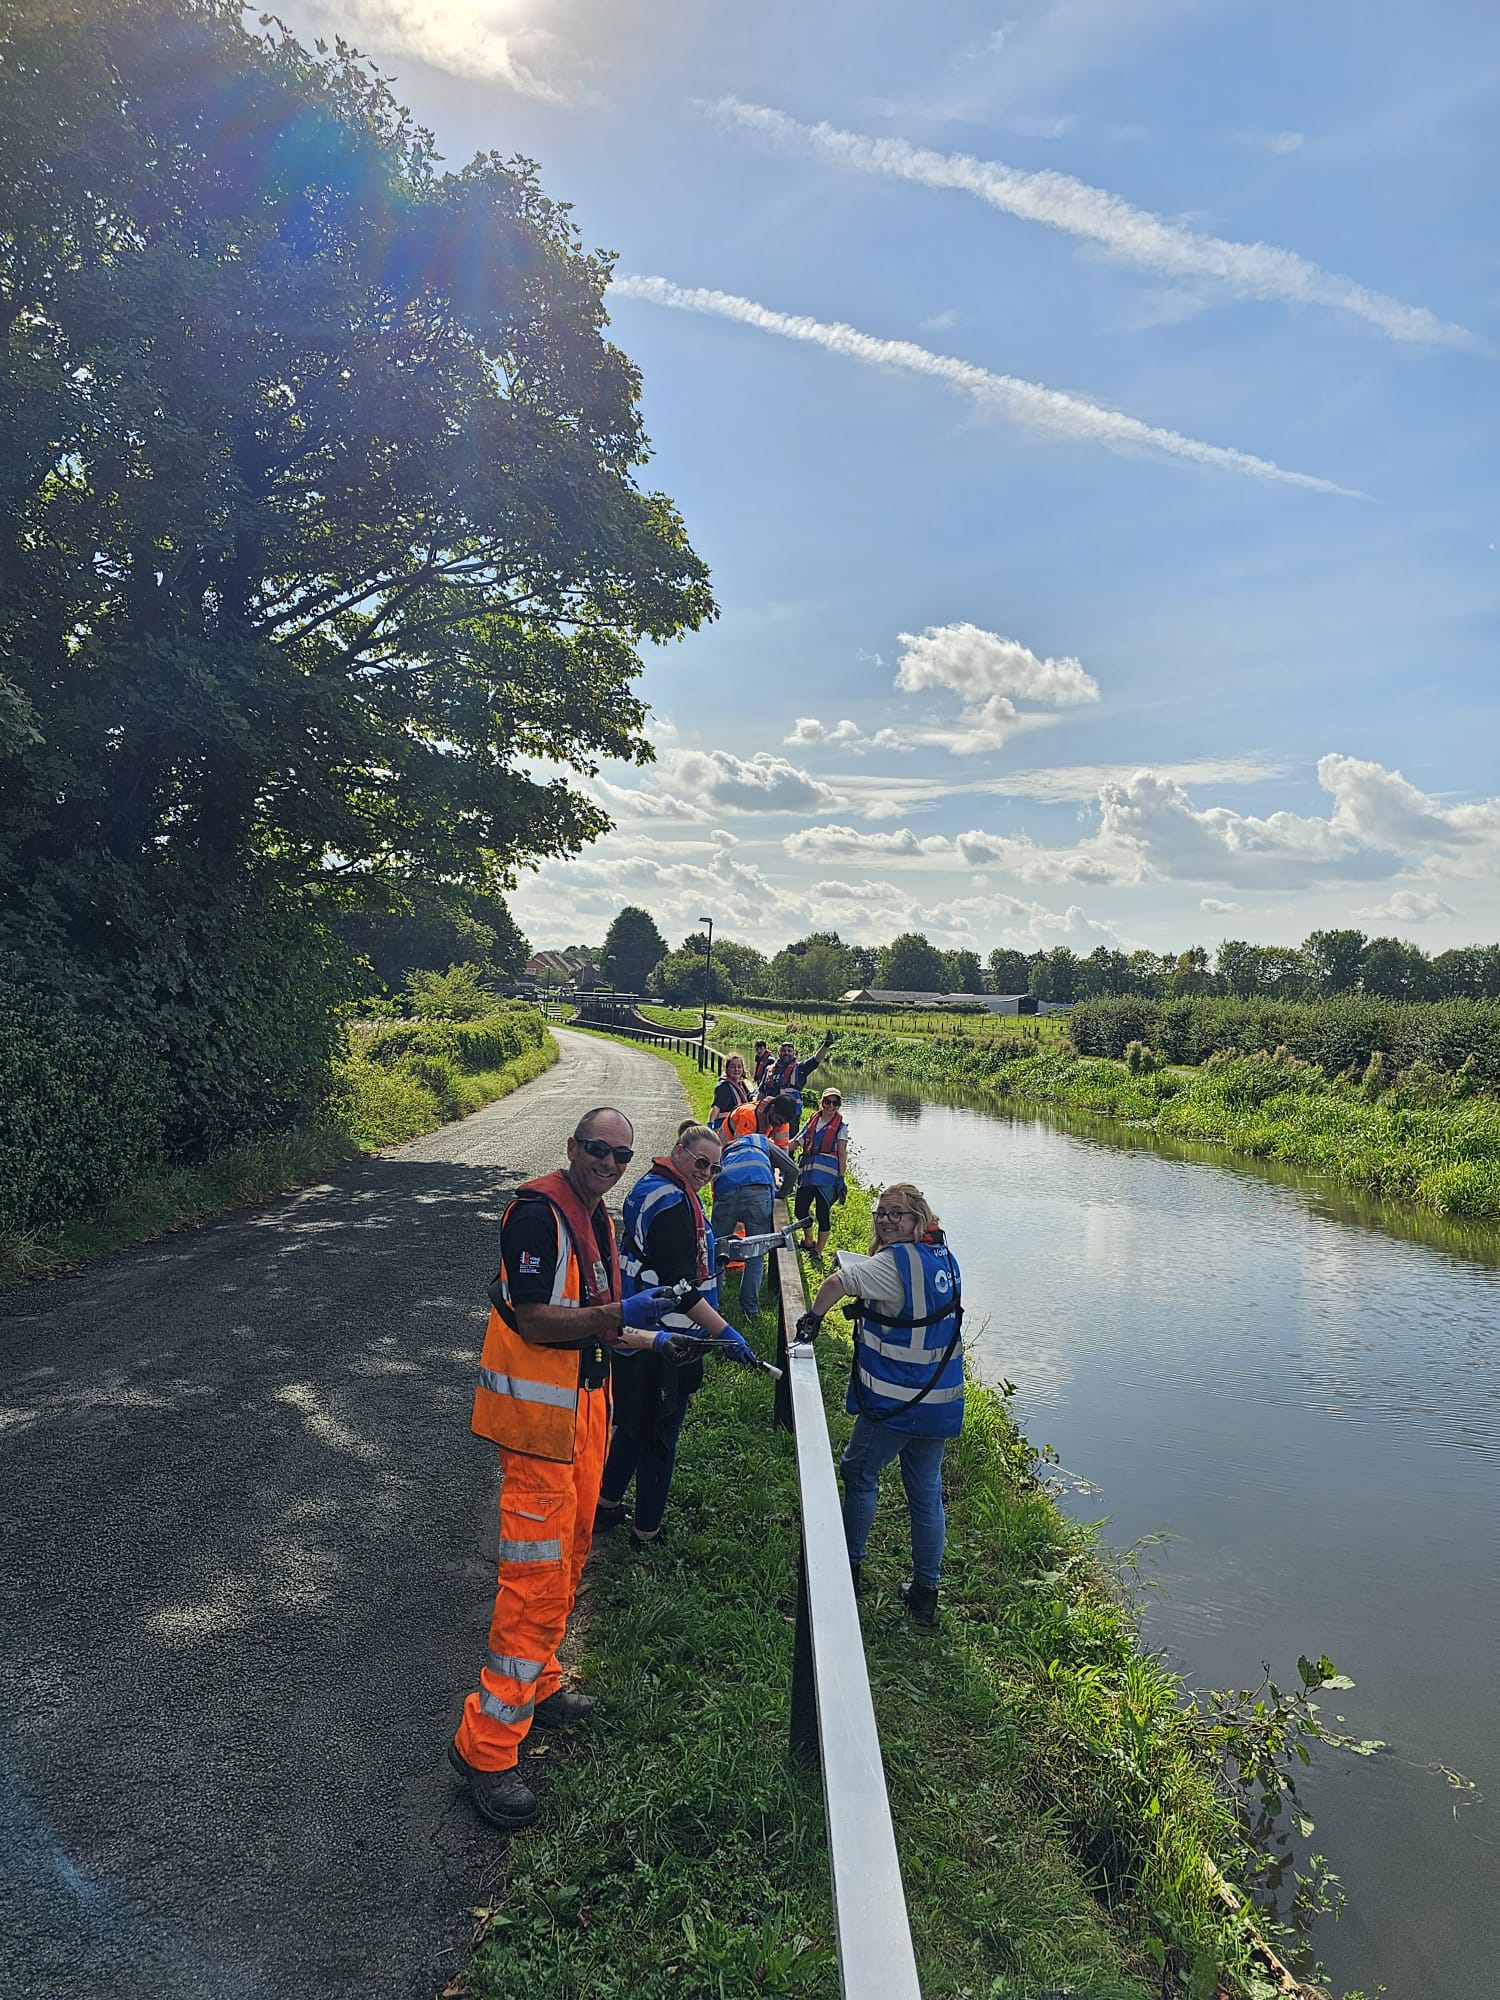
(1027, 402)
(1249, 270)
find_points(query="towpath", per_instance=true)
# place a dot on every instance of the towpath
(248, 1572)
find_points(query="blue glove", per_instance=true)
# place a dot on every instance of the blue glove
(738, 1348)
(644, 1309)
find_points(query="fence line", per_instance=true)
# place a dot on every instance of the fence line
(832, 1714)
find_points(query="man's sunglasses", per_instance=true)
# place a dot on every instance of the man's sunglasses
(600, 1149)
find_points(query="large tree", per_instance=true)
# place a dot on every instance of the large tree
(319, 518)
(909, 964)
(632, 946)
(1009, 971)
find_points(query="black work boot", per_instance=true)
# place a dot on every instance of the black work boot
(562, 1710)
(920, 1600)
(608, 1514)
(502, 1797)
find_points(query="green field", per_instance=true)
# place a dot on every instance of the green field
(809, 1027)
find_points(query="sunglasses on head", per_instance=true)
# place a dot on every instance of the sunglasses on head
(600, 1149)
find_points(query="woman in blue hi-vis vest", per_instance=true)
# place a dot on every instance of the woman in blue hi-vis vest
(906, 1385)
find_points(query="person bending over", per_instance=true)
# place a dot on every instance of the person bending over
(906, 1385)
(745, 1189)
(822, 1150)
(667, 1238)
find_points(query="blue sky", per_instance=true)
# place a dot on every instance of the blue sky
(1087, 409)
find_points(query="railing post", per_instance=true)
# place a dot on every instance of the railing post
(804, 1729)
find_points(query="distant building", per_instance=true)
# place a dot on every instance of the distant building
(990, 1003)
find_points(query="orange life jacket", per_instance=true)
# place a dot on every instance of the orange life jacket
(526, 1398)
(739, 1121)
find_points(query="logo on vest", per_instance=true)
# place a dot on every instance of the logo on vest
(531, 1264)
(941, 1282)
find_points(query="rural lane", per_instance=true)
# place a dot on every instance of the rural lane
(248, 1575)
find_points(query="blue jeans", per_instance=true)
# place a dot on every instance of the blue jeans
(752, 1206)
(870, 1449)
(651, 1466)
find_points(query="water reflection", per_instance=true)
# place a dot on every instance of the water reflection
(1302, 1387)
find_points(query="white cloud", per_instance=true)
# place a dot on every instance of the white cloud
(1409, 906)
(879, 795)
(762, 783)
(1216, 906)
(836, 891)
(979, 665)
(639, 802)
(845, 735)
(1052, 412)
(941, 322)
(1090, 861)
(827, 843)
(1379, 825)
(981, 922)
(1134, 235)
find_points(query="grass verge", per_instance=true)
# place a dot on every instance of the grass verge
(1058, 1816)
(370, 1107)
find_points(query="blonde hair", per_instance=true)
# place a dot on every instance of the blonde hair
(916, 1201)
(691, 1133)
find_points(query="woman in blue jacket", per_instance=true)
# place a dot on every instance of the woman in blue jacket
(906, 1385)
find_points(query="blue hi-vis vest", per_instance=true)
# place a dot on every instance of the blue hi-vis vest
(652, 1194)
(896, 1355)
(746, 1162)
(820, 1155)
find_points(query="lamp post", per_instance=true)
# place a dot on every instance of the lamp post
(708, 973)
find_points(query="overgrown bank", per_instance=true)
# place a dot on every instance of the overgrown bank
(1419, 1134)
(392, 1081)
(1054, 1791)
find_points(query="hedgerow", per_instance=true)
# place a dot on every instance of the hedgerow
(1338, 1034)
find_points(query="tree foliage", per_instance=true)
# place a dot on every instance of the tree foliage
(320, 525)
(632, 946)
(432, 926)
(910, 964)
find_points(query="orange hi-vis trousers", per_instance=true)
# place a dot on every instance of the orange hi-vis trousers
(546, 1527)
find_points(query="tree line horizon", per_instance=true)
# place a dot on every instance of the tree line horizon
(635, 958)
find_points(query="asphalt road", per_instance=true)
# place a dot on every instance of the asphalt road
(248, 1573)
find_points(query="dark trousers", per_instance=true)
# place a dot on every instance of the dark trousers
(650, 1463)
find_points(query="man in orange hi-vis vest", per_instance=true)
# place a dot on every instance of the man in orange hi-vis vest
(543, 1398)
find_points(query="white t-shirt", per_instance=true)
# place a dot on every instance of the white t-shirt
(874, 1278)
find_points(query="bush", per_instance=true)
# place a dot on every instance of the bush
(84, 1107)
(1338, 1034)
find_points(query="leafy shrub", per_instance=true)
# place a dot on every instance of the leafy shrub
(1140, 1059)
(439, 1077)
(454, 995)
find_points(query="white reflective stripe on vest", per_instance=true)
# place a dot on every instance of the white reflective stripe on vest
(895, 1350)
(530, 1552)
(901, 1392)
(515, 1669)
(529, 1392)
(506, 1711)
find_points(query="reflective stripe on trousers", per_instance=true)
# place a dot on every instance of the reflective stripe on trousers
(546, 1526)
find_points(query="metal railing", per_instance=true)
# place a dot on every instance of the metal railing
(833, 1717)
(684, 1045)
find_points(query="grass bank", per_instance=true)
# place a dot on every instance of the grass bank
(1055, 1792)
(372, 1104)
(1420, 1135)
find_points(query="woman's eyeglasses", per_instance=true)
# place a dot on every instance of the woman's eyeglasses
(892, 1214)
(600, 1149)
(706, 1166)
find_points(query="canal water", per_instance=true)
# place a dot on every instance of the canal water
(1302, 1394)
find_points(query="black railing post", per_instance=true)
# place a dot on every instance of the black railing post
(804, 1731)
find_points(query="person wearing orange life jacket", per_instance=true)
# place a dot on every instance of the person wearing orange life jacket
(543, 1399)
(822, 1150)
(731, 1092)
(787, 1074)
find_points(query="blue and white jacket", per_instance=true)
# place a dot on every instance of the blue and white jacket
(899, 1355)
(651, 1196)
